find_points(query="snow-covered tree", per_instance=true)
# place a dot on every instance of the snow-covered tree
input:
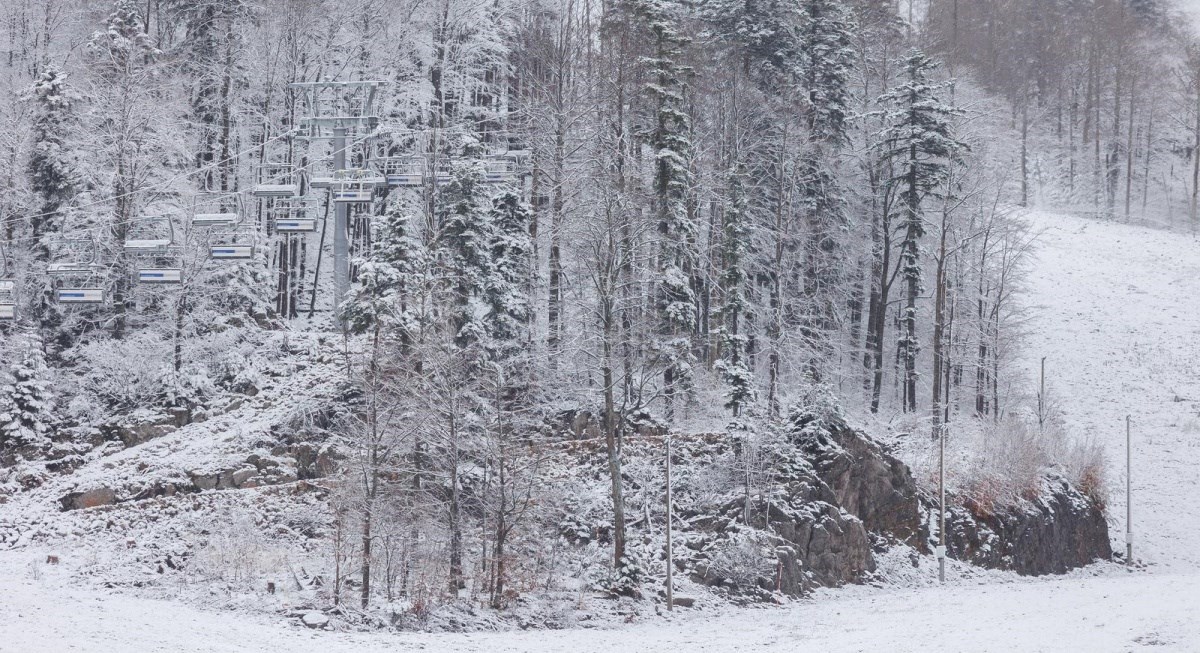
(919, 142)
(735, 246)
(53, 166)
(826, 41)
(506, 291)
(465, 241)
(26, 401)
(668, 137)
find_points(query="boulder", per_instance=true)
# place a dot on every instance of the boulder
(101, 496)
(240, 476)
(315, 619)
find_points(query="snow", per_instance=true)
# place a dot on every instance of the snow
(1124, 339)
(1113, 611)
(1120, 338)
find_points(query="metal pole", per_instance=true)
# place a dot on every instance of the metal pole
(341, 243)
(670, 558)
(941, 550)
(1042, 398)
(1128, 492)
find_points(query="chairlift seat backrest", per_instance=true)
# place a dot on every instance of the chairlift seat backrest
(231, 252)
(148, 245)
(8, 311)
(160, 275)
(69, 268)
(215, 219)
(295, 225)
(80, 295)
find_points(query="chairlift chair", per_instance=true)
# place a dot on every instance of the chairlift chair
(357, 185)
(80, 295)
(275, 180)
(216, 210)
(8, 300)
(404, 171)
(231, 252)
(77, 271)
(156, 250)
(232, 246)
(294, 216)
(499, 170)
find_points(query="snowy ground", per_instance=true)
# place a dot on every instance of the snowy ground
(1120, 338)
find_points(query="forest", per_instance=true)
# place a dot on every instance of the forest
(533, 244)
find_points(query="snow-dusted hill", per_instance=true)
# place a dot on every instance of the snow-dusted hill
(1119, 338)
(1114, 311)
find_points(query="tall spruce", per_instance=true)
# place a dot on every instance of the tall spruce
(735, 258)
(669, 140)
(920, 144)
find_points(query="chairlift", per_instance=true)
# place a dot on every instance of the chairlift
(160, 275)
(216, 210)
(295, 215)
(229, 248)
(276, 180)
(80, 295)
(77, 270)
(157, 250)
(8, 300)
(76, 256)
(295, 225)
(404, 171)
(149, 238)
(499, 170)
(231, 252)
(357, 185)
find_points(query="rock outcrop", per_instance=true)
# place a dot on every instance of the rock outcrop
(866, 481)
(1061, 529)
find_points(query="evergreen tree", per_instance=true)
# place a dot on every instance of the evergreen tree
(506, 291)
(768, 33)
(669, 141)
(26, 403)
(735, 248)
(388, 276)
(465, 242)
(52, 165)
(827, 43)
(920, 144)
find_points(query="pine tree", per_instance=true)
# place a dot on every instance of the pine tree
(827, 42)
(669, 140)
(506, 291)
(388, 276)
(919, 142)
(26, 403)
(735, 248)
(53, 168)
(465, 241)
(768, 32)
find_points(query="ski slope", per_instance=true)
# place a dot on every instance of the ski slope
(1114, 310)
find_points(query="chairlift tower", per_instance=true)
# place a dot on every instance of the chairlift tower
(334, 111)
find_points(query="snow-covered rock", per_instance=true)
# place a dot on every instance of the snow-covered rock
(315, 619)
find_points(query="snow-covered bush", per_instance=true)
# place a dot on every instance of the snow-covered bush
(743, 560)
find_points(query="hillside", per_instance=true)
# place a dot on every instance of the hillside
(1098, 365)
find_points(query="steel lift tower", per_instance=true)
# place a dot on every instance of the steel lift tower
(341, 111)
